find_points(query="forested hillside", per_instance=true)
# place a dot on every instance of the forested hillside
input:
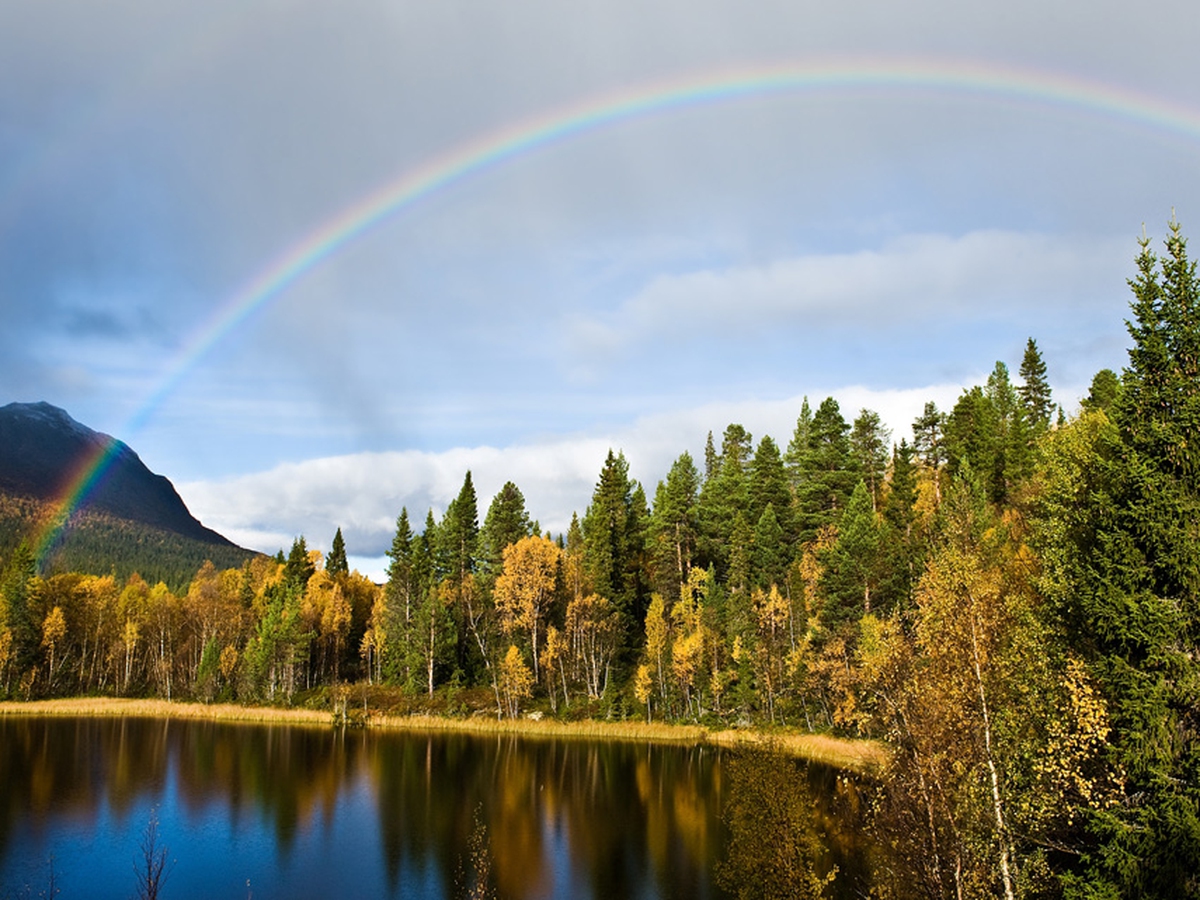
(1008, 599)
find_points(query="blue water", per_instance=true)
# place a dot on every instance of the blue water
(274, 812)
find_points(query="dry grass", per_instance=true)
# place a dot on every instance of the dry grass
(550, 728)
(858, 756)
(162, 709)
(841, 753)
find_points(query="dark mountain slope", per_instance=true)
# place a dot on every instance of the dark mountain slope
(42, 448)
(134, 521)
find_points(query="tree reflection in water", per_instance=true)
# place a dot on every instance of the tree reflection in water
(322, 812)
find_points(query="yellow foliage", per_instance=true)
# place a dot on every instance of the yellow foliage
(643, 686)
(515, 681)
(228, 661)
(54, 628)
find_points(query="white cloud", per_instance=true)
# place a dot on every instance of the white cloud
(363, 493)
(913, 277)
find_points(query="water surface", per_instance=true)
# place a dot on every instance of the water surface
(294, 812)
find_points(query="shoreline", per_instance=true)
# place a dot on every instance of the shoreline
(866, 757)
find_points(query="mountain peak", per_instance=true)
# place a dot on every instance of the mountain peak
(42, 448)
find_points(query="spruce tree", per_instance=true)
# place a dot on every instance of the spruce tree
(798, 447)
(298, 568)
(1035, 391)
(15, 611)
(769, 487)
(1119, 534)
(1103, 393)
(928, 436)
(826, 472)
(722, 498)
(869, 444)
(613, 534)
(336, 564)
(673, 525)
(507, 521)
(712, 462)
(901, 555)
(852, 563)
(401, 593)
(770, 556)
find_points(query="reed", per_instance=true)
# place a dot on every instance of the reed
(858, 756)
(116, 707)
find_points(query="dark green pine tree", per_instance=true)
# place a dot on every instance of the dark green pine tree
(826, 472)
(1103, 393)
(15, 611)
(429, 566)
(769, 487)
(987, 431)
(929, 436)
(901, 557)
(741, 560)
(1035, 390)
(298, 568)
(336, 564)
(722, 498)
(852, 564)
(611, 530)
(869, 445)
(507, 521)
(402, 595)
(673, 526)
(1014, 443)
(1119, 534)
(712, 462)
(972, 432)
(770, 556)
(459, 534)
(798, 448)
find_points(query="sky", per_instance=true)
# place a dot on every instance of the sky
(315, 261)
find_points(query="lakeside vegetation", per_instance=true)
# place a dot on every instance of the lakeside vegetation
(842, 753)
(1010, 602)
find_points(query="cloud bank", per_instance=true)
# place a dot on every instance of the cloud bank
(363, 493)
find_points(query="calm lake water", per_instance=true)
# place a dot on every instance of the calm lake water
(286, 812)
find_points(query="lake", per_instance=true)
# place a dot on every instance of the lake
(255, 811)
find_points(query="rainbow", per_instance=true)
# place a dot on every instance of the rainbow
(987, 81)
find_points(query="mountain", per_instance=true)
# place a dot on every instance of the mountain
(133, 519)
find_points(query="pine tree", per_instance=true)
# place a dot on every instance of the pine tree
(401, 594)
(852, 563)
(1103, 393)
(769, 487)
(673, 525)
(869, 444)
(712, 462)
(798, 448)
(826, 472)
(460, 532)
(15, 612)
(1035, 391)
(336, 564)
(929, 438)
(901, 557)
(507, 521)
(1118, 526)
(723, 497)
(770, 556)
(298, 568)
(459, 535)
(613, 534)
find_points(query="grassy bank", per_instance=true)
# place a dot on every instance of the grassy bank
(858, 756)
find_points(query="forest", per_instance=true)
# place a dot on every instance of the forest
(1009, 600)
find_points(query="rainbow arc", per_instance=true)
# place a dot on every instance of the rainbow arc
(987, 82)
